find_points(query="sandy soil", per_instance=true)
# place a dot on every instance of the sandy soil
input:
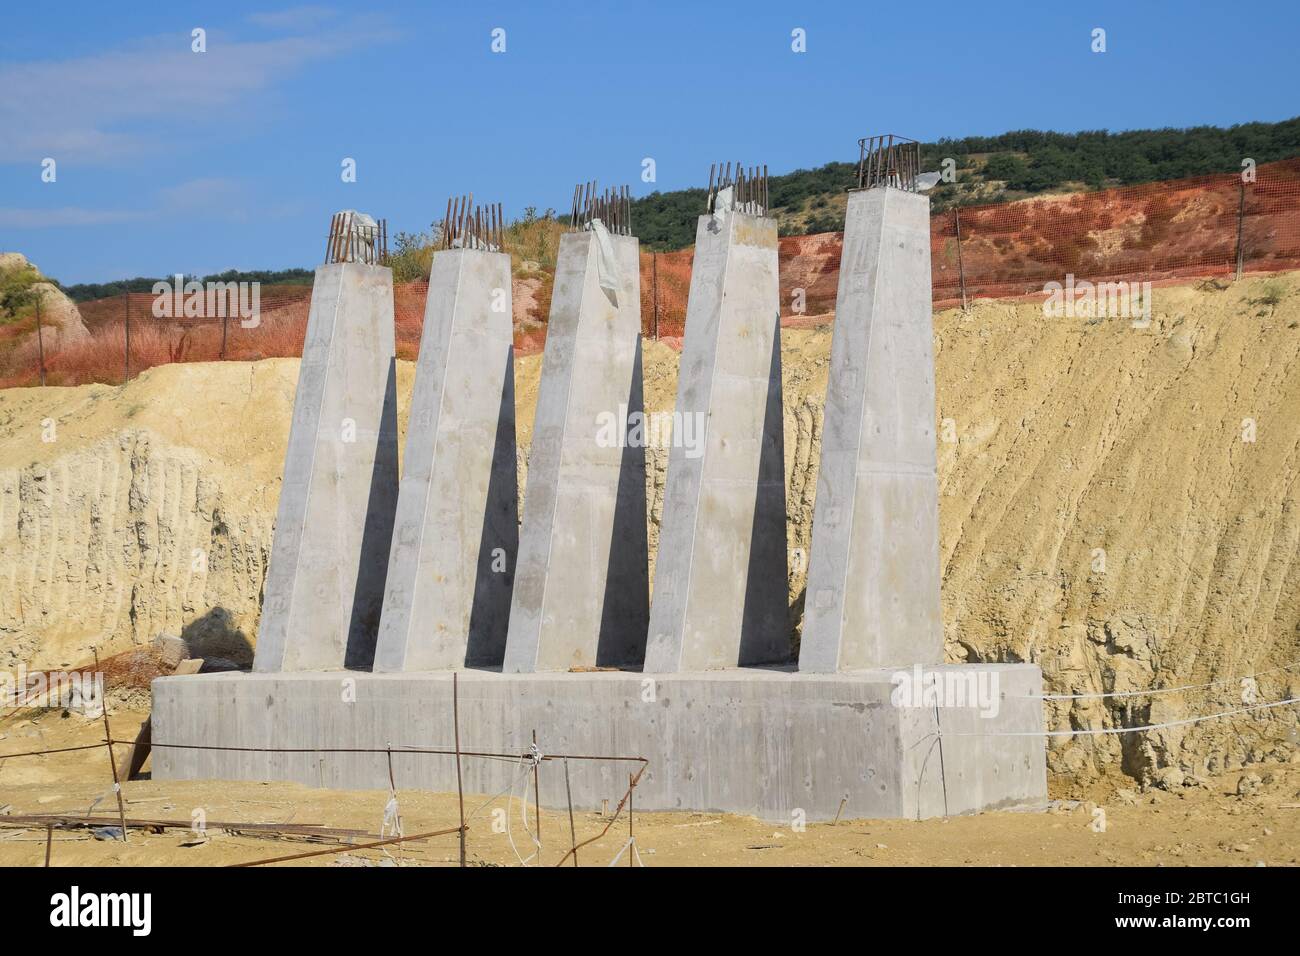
(1205, 824)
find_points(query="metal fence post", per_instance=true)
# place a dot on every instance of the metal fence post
(1241, 219)
(961, 269)
(654, 283)
(127, 377)
(40, 343)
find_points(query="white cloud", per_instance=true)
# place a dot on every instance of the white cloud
(123, 103)
(11, 218)
(294, 18)
(211, 194)
(201, 200)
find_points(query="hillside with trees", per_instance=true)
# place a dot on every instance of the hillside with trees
(993, 169)
(989, 169)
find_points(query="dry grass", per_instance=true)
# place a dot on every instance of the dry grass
(534, 239)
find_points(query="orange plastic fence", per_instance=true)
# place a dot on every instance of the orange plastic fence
(1204, 225)
(1155, 231)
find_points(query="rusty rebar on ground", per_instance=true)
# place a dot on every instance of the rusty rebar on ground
(627, 796)
(344, 849)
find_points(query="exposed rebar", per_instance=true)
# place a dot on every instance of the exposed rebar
(613, 208)
(749, 187)
(351, 241)
(467, 226)
(888, 160)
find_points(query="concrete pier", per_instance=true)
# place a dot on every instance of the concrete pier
(581, 594)
(873, 572)
(325, 583)
(720, 577)
(452, 561)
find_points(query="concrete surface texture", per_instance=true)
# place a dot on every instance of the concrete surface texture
(756, 741)
(719, 585)
(447, 602)
(873, 573)
(581, 592)
(325, 581)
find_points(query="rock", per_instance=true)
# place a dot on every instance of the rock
(1127, 797)
(171, 650)
(88, 704)
(1170, 778)
(11, 261)
(60, 318)
(1249, 785)
(59, 315)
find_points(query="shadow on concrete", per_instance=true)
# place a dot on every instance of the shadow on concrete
(489, 616)
(381, 512)
(625, 611)
(765, 622)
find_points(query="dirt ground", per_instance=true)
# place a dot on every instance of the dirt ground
(1207, 823)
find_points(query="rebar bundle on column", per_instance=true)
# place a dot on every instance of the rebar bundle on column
(888, 160)
(354, 240)
(613, 207)
(467, 226)
(748, 185)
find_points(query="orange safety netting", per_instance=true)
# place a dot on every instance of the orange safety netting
(1157, 231)
(1185, 227)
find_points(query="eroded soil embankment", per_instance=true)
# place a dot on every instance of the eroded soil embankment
(1117, 504)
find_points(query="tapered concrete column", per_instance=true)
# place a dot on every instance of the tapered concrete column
(325, 584)
(720, 576)
(873, 572)
(453, 554)
(581, 594)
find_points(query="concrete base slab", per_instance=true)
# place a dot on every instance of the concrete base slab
(770, 743)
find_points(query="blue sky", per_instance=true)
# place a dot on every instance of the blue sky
(175, 161)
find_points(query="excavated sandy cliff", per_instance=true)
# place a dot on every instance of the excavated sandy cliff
(1119, 505)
